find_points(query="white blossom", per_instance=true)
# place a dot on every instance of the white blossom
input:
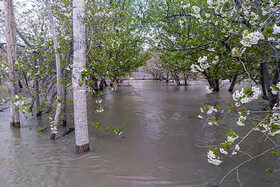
(201, 110)
(186, 6)
(276, 29)
(251, 38)
(241, 120)
(232, 138)
(98, 101)
(237, 148)
(234, 51)
(274, 91)
(223, 151)
(213, 159)
(240, 96)
(203, 65)
(196, 9)
(211, 110)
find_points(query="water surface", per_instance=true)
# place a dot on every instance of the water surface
(166, 144)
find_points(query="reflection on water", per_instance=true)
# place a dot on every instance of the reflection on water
(166, 145)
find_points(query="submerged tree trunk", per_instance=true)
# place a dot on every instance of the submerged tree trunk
(79, 64)
(233, 81)
(186, 79)
(263, 81)
(273, 99)
(36, 88)
(11, 57)
(58, 71)
(64, 89)
(176, 78)
(215, 85)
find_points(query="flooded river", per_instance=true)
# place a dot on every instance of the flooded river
(166, 144)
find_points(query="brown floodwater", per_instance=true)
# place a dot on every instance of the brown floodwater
(166, 144)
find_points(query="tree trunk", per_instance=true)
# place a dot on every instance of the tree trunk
(10, 32)
(176, 78)
(273, 99)
(19, 84)
(58, 71)
(215, 85)
(167, 76)
(101, 86)
(79, 64)
(36, 88)
(263, 82)
(186, 79)
(233, 81)
(64, 90)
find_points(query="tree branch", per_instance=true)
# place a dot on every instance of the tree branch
(249, 160)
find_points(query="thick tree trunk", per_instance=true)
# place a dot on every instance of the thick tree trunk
(263, 82)
(215, 85)
(233, 81)
(273, 99)
(11, 57)
(79, 64)
(176, 78)
(58, 70)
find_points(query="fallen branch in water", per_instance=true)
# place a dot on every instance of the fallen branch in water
(68, 131)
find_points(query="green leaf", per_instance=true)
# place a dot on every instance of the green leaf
(81, 83)
(275, 153)
(101, 94)
(270, 171)
(96, 124)
(39, 131)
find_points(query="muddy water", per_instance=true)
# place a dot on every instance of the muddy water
(165, 144)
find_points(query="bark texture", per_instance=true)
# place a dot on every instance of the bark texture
(10, 32)
(267, 82)
(79, 90)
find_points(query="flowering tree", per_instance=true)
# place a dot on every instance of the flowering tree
(250, 32)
